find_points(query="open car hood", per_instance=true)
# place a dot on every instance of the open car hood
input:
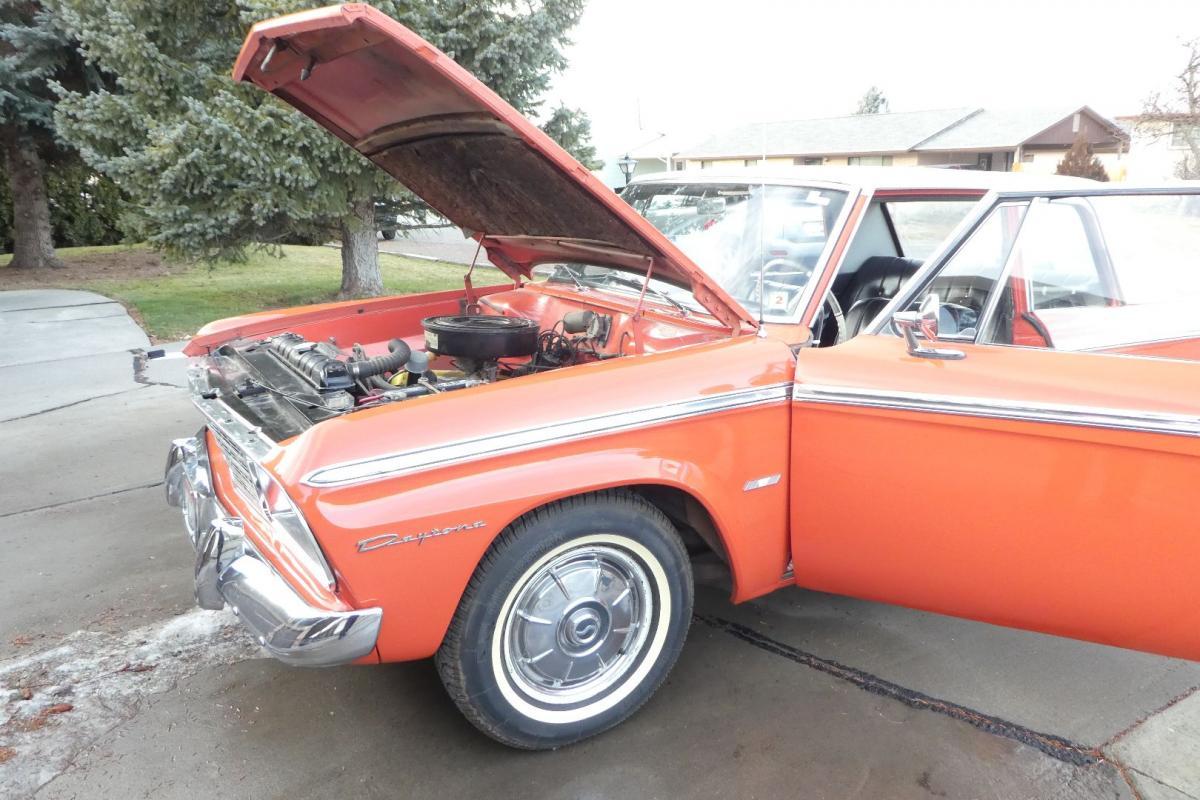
(433, 126)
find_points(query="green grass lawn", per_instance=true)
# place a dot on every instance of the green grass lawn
(173, 299)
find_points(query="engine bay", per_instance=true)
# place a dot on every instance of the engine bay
(287, 382)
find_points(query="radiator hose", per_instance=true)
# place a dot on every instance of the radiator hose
(396, 358)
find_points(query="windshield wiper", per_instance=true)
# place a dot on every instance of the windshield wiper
(563, 268)
(634, 283)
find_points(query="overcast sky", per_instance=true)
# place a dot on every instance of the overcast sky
(693, 66)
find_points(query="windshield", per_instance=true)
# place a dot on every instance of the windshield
(762, 244)
(592, 276)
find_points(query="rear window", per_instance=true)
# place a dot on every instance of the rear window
(922, 225)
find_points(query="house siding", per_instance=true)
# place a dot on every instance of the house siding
(952, 138)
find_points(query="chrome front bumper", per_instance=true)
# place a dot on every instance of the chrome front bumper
(229, 570)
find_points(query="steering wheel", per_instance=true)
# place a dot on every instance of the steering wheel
(830, 308)
(780, 274)
(792, 277)
(778, 269)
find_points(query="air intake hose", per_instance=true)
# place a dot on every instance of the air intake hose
(392, 362)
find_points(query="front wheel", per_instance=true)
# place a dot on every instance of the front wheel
(574, 617)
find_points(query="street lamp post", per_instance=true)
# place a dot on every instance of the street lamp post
(627, 165)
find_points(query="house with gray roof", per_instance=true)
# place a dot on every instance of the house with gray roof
(1032, 140)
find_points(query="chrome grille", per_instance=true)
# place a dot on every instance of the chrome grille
(240, 469)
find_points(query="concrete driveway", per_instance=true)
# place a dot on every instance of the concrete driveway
(436, 244)
(112, 685)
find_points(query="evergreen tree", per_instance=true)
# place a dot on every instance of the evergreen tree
(572, 129)
(85, 208)
(213, 167)
(1080, 162)
(872, 102)
(34, 53)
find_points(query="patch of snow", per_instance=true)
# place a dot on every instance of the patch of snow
(55, 703)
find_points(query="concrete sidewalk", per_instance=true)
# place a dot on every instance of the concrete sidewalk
(796, 695)
(59, 347)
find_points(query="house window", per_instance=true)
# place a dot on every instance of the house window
(869, 161)
(750, 162)
(705, 164)
(678, 165)
(1181, 133)
(1026, 158)
(808, 161)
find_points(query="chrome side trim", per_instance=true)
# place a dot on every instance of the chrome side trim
(351, 472)
(997, 408)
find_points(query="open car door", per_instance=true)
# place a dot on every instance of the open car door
(1041, 488)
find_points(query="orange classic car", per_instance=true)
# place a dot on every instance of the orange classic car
(959, 392)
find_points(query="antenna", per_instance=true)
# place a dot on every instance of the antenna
(762, 220)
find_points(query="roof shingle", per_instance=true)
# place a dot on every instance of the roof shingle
(997, 129)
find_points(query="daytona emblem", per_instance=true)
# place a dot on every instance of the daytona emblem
(389, 539)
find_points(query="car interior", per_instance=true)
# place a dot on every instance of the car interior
(874, 270)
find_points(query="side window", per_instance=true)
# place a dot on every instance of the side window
(1058, 263)
(1104, 273)
(1057, 260)
(968, 279)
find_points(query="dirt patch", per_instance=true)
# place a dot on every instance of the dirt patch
(37, 721)
(81, 271)
(130, 264)
(91, 682)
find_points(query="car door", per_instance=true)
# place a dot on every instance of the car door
(1047, 489)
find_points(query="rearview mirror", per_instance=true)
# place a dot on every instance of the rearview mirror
(925, 321)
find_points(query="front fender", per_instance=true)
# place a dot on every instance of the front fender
(419, 579)
(423, 533)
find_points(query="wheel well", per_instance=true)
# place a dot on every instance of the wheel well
(691, 518)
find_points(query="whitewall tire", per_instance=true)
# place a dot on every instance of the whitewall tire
(572, 620)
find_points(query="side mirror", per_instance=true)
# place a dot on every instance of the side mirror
(925, 320)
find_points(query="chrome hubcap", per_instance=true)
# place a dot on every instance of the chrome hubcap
(578, 624)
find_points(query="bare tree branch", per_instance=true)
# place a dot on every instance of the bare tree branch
(1179, 114)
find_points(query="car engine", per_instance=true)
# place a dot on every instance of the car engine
(285, 383)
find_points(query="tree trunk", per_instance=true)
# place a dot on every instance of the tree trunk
(360, 252)
(33, 244)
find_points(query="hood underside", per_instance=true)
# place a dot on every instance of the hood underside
(457, 145)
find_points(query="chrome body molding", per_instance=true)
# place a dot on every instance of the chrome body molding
(761, 483)
(229, 570)
(386, 466)
(997, 408)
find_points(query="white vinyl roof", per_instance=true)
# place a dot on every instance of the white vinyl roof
(885, 178)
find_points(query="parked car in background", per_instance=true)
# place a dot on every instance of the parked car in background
(514, 479)
(387, 220)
